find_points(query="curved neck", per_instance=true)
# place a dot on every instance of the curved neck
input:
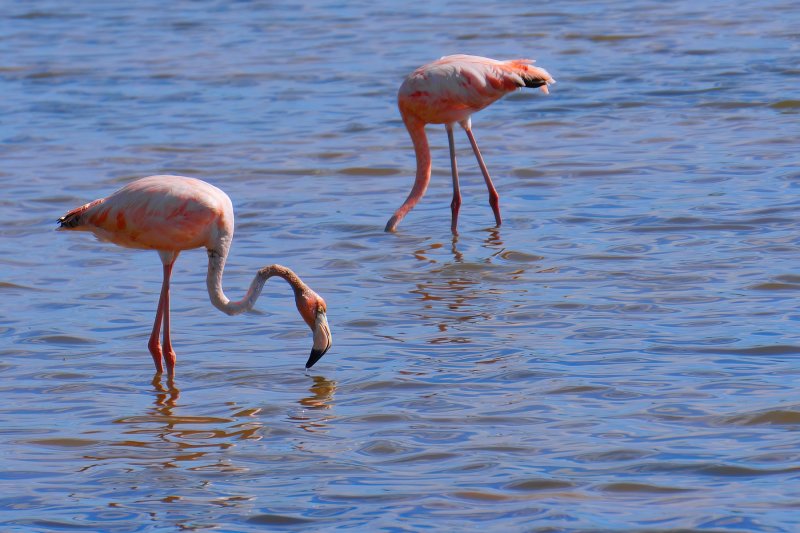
(216, 266)
(416, 130)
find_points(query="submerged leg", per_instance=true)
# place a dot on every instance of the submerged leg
(455, 205)
(494, 198)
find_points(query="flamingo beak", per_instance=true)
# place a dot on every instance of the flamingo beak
(322, 339)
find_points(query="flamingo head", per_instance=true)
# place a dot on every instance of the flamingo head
(313, 308)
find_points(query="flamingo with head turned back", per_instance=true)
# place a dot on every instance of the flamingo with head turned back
(170, 214)
(450, 90)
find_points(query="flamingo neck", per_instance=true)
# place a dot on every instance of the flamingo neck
(416, 130)
(216, 266)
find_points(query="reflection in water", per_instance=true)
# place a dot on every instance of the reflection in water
(493, 240)
(166, 397)
(322, 394)
(321, 398)
(461, 285)
(458, 257)
(499, 393)
(165, 437)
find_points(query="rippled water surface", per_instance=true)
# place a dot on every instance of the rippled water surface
(621, 355)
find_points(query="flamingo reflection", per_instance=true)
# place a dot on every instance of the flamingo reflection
(166, 397)
(322, 391)
(321, 394)
(458, 287)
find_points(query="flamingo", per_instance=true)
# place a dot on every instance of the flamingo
(170, 214)
(450, 90)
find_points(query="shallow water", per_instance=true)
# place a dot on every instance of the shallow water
(621, 355)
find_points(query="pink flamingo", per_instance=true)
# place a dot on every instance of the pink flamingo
(170, 214)
(448, 91)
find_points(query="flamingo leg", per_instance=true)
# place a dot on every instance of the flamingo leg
(168, 352)
(162, 316)
(153, 345)
(455, 205)
(494, 198)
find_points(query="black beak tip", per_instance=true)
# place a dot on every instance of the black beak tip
(315, 356)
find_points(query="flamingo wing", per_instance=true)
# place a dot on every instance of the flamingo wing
(454, 87)
(170, 213)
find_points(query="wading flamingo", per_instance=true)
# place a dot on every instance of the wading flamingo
(170, 214)
(448, 91)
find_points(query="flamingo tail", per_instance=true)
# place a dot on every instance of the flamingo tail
(73, 219)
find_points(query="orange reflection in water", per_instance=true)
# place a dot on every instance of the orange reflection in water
(166, 436)
(170, 434)
(321, 394)
(457, 284)
(166, 397)
(467, 288)
(322, 391)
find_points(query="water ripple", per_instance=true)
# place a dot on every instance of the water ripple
(620, 355)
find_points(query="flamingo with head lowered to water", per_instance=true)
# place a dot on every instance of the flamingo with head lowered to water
(449, 91)
(170, 214)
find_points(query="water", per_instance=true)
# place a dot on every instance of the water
(622, 355)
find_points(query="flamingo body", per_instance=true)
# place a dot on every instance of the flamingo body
(170, 214)
(454, 87)
(449, 91)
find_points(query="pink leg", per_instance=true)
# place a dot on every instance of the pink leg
(169, 353)
(162, 315)
(153, 345)
(494, 198)
(455, 205)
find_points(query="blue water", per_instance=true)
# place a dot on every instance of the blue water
(621, 355)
